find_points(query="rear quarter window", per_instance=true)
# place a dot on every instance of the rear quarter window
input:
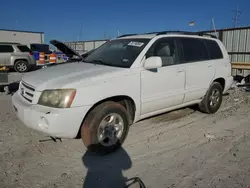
(23, 48)
(193, 50)
(214, 49)
(6, 49)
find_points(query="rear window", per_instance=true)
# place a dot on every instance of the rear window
(6, 49)
(194, 50)
(214, 49)
(23, 48)
(39, 48)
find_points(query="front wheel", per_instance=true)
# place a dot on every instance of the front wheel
(105, 128)
(212, 100)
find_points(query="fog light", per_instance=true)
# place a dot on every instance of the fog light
(43, 123)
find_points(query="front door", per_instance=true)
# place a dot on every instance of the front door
(163, 87)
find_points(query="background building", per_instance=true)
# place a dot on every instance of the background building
(23, 37)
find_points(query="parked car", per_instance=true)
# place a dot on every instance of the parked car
(17, 56)
(37, 48)
(71, 54)
(125, 80)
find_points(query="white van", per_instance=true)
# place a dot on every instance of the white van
(123, 81)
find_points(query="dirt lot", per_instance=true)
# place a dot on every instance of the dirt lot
(184, 148)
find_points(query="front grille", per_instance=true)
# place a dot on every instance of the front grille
(26, 91)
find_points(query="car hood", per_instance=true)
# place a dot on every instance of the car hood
(68, 74)
(65, 49)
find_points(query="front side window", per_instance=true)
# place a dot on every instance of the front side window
(165, 48)
(193, 50)
(117, 53)
(6, 49)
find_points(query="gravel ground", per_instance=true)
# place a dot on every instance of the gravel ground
(183, 148)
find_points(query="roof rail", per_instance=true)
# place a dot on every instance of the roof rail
(207, 34)
(126, 35)
(185, 33)
(174, 32)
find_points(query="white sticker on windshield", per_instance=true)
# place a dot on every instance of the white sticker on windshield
(137, 44)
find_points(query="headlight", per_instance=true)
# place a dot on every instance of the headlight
(57, 98)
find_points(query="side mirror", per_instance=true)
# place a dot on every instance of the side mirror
(153, 62)
(135, 183)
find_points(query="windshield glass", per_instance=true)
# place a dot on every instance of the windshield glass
(117, 53)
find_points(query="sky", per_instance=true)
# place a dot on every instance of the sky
(71, 20)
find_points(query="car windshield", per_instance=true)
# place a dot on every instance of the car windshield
(117, 53)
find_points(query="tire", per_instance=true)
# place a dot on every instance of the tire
(211, 104)
(95, 132)
(21, 66)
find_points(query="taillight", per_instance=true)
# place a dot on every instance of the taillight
(31, 53)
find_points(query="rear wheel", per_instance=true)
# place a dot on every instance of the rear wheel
(212, 100)
(105, 128)
(21, 66)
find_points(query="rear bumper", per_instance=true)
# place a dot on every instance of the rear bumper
(228, 83)
(31, 62)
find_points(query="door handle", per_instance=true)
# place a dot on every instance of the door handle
(180, 70)
(209, 65)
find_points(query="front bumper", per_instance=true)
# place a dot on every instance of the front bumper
(63, 123)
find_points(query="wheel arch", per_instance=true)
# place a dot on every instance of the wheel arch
(221, 81)
(127, 102)
(20, 59)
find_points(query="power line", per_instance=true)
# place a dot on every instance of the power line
(237, 14)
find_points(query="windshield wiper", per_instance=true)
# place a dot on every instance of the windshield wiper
(99, 61)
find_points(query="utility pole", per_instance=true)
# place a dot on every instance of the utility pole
(236, 16)
(81, 32)
(214, 28)
(105, 35)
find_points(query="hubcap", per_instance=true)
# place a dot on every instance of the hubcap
(21, 66)
(110, 129)
(214, 98)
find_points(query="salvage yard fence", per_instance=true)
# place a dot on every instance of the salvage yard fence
(84, 46)
(237, 43)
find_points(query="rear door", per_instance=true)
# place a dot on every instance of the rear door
(200, 69)
(5, 54)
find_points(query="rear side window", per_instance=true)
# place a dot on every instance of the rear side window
(214, 49)
(194, 50)
(6, 49)
(23, 48)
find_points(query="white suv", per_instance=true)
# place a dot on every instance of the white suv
(123, 81)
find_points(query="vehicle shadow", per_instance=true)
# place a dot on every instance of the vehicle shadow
(9, 89)
(106, 171)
